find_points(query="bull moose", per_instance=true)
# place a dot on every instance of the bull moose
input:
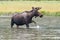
(25, 17)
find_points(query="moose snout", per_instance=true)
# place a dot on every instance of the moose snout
(41, 16)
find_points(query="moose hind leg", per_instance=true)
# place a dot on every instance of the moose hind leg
(12, 23)
(17, 26)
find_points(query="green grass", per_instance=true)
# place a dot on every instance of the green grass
(49, 8)
(50, 13)
(43, 12)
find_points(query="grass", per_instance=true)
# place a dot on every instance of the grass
(43, 12)
(50, 13)
(48, 7)
(19, 6)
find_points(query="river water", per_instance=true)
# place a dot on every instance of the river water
(48, 28)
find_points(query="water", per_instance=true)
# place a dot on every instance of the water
(47, 28)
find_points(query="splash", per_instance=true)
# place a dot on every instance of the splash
(38, 26)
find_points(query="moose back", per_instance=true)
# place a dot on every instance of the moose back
(24, 18)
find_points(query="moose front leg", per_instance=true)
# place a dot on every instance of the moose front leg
(34, 22)
(27, 25)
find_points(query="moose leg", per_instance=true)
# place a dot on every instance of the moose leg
(17, 26)
(34, 22)
(27, 25)
(12, 23)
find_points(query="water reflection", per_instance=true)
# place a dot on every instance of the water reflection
(49, 29)
(19, 34)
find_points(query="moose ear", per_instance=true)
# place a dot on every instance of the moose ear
(32, 7)
(39, 8)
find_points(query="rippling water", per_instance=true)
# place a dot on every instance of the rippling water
(48, 28)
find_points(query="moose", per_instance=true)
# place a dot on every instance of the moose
(25, 18)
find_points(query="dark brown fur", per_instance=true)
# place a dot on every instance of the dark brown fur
(25, 17)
